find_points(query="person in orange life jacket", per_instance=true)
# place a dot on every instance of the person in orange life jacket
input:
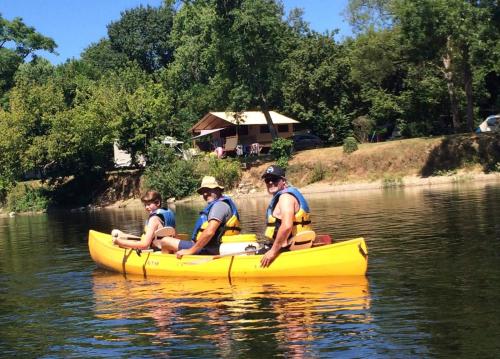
(287, 214)
(158, 218)
(220, 217)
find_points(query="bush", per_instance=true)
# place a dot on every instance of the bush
(5, 186)
(227, 171)
(318, 173)
(168, 173)
(363, 127)
(281, 150)
(350, 145)
(174, 179)
(26, 198)
(392, 181)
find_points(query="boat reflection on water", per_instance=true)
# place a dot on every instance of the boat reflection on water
(282, 316)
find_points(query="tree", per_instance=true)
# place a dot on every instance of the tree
(440, 33)
(251, 38)
(143, 34)
(101, 58)
(17, 42)
(317, 87)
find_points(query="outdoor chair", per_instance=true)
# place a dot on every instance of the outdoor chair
(255, 149)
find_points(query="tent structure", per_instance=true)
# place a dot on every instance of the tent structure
(233, 130)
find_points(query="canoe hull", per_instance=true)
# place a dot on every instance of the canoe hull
(348, 258)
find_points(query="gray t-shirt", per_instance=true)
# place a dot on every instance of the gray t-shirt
(221, 212)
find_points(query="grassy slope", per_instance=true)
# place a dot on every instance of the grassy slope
(392, 160)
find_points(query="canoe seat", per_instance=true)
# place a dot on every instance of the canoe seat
(322, 240)
(302, 240)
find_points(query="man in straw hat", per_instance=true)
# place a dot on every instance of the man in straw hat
(220, 217)
(287, 214)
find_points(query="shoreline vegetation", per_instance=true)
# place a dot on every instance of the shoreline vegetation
(407, 163)
(409, 70)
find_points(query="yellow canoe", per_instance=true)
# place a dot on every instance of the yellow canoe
(347, 258)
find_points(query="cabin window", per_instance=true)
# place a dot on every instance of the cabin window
(228, 131)
(264, 129)
(282, 128)
(243, 130)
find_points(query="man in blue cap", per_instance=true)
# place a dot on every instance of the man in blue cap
(288, 213)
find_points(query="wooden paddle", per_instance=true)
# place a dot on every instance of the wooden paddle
(116, 233)
(218, 256)
(165, 232)
(162, 232)
(301, 240)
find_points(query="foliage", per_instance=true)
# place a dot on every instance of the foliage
(143, 35)
(350, 145)
(427, 67)
(319, 173)
(281, 150)
(392, 181)
(27, 198)
(227, 171)
(317, 88)
(363, 127)
(169, 174)
(17, 42)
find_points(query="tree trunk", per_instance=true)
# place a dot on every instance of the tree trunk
(448, 75)
(468, 89)
(269, 120)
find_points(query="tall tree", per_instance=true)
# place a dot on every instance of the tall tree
(17, 42)
(251, 38)
(143, 34)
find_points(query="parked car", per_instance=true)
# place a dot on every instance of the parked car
(491, 124)
(305, 141)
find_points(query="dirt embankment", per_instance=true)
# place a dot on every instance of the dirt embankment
(412, 162)
(402, 163)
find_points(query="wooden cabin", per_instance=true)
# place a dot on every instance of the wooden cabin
(241, 132)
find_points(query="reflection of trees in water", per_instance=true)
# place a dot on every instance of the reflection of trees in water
(214, 318)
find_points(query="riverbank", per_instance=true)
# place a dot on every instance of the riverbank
(430, 162)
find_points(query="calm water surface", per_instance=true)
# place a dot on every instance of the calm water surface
(431, 290)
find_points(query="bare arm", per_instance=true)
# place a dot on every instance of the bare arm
(153, 225)
(286, 208)
(205, 237)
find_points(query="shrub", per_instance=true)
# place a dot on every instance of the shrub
(350, 145)
(26, 198)
(175, 179)
(318, 173)
(227, 171)
(363, 127)
(168, 173)
(281, 150)
(392, 182)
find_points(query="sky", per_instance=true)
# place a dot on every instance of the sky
(75, 24)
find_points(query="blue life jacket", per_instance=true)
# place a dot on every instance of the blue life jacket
(231, 227)
(301, 220)
(165, 215)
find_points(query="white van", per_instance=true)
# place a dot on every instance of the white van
(491, 124)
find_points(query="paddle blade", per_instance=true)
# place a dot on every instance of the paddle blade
(165, 232)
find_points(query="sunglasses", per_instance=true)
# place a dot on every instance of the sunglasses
(272, 179)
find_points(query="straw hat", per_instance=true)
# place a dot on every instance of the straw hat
(209, 182)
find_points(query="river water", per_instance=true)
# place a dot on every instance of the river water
(431, 289)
